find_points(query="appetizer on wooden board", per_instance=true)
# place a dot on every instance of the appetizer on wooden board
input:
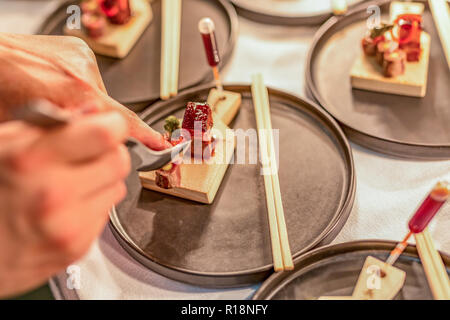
(395, 56)
(112, 28)
(200, 178)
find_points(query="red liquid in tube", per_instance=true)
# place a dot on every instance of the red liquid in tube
(117, 11)
(430, 206)
(212, 53)
(206, 28)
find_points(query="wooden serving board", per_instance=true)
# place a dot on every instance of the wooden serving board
(118, 40)
(366, 74)
(390, 281)
(401, 7)
(225, 105)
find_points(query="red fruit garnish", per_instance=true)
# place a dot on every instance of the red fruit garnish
(117, 11)
(174, 142)
(410, 26)
(378, 39)
(197, 112)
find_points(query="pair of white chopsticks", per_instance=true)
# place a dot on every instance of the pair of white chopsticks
(281, 252)
(170, 47)
(441, 16)
(433, 265)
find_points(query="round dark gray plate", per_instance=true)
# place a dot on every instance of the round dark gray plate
(409, 127)
(227, 243)
(136, 78)
(286, 13)
(333, 271)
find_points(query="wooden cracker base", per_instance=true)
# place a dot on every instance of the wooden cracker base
(390, 283)
(397, 8)
(118, 40)
(225, 105)
(199, 182)
(367, 74)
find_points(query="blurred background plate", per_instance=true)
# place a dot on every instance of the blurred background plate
(410, 127)
(287, 12)
(227, 243)
(333, 271)
(136, 78)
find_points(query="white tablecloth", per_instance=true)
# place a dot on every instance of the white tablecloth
(388, 189)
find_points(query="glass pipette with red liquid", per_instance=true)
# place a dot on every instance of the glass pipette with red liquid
(207, 31)
(424, 214)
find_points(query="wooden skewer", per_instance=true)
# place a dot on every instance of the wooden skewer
(262, 110)
(273, 224)
(441, 17)
(217, 79)
(166, 48)
(434, 267)
(398, 250)
(175, 37)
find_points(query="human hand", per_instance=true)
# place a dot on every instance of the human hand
(56, 190)
(64, 71)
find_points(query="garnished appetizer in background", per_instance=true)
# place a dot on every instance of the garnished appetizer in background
(395, 56)
(380, 280)
(112, 27)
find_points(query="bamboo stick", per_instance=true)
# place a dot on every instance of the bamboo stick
(434, 267)
(166, 48)
(285, 248)
(262, 111)
(441, 17)
(271, 211)
(175, 38)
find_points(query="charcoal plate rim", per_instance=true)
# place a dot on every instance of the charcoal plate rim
(52, 20)
(274, 19)
(306, 262)
(393, 147)
(249, 276)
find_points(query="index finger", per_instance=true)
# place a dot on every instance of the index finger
(138, 128)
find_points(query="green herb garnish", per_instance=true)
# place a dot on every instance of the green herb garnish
(379, 31)
(172, 123)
